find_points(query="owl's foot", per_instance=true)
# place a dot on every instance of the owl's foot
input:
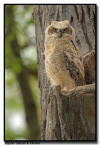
(65, 90)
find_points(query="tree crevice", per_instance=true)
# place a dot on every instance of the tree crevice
(85, 30)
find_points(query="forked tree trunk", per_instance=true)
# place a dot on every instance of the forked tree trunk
(65, 117)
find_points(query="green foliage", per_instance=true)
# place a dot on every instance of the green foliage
(12, 135)
(19, 27)
(23, 20)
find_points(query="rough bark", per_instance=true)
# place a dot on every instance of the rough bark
(65, 118)
(23, 81)
(81, 90)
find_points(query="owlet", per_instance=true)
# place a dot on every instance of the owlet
(62, 58)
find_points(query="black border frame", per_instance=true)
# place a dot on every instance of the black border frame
(96, 83)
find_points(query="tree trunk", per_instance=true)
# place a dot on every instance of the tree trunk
(64, 117)
(29, 106)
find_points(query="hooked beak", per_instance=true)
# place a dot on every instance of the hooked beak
(59, 34)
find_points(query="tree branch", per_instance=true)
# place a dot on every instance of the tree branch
(86, 90)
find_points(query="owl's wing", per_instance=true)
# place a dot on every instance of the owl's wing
(75, 47)
(73, 68)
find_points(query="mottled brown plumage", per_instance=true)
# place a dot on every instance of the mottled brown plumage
(62, 58)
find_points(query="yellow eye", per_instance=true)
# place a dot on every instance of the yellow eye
(65, 30)
(55, 30)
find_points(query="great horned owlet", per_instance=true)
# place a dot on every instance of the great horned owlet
(62, 58)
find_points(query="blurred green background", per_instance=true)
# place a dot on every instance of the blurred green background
(22, 102)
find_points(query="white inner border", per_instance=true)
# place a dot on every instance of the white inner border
(2, 2)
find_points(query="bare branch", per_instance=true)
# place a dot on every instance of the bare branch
(81, 90)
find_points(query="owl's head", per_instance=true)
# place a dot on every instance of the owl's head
(60, 30)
